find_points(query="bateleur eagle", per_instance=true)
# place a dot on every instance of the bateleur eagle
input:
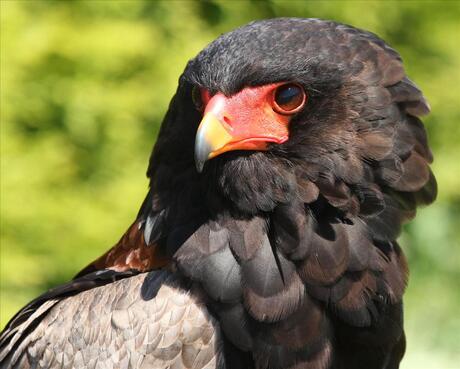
(290, 156)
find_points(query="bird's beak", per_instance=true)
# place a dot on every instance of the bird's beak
(211, 139)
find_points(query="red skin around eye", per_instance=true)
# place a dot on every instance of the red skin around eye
(249, 117)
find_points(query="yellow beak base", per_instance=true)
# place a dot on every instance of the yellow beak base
(211, 138)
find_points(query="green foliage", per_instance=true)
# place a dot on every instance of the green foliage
(84, 86)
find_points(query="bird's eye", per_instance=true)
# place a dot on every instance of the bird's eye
(197, 98)
(289, 98)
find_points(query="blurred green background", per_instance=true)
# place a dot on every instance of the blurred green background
(84, 86)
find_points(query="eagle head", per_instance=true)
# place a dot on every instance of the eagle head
(301, 110)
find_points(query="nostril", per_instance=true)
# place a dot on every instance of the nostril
(227, 121)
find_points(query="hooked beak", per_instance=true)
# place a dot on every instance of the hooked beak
(210, 140)
(215, 137)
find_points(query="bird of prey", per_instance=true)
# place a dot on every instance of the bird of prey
(289, 158)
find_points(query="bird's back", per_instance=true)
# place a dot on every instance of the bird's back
(149, 320)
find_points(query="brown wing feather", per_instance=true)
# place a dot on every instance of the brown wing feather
(131, 252)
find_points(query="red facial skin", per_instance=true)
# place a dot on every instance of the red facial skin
(249, 117)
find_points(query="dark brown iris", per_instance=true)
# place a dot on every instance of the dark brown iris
(289, 98)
